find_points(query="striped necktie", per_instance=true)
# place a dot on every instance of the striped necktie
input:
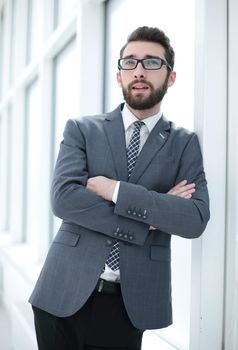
(132, 154)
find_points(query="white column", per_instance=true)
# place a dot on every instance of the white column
(211, 124)
(231, 296)
(90, 52)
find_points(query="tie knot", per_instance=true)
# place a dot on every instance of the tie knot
(138, 124)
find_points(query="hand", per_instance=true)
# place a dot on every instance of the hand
(183, 190)
(102, 186)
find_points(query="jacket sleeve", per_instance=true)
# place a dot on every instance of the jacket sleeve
(73, 202)
(169, 213)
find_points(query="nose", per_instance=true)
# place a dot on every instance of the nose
(139, 71)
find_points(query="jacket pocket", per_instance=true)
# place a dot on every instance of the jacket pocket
(160, 253)
(67, 238)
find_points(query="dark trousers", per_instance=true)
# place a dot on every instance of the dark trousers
(102, 323)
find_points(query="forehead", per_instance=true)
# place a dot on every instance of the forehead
(141, 49)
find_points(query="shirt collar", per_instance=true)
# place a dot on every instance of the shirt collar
(129, 118)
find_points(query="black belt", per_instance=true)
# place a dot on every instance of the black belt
(108, 287)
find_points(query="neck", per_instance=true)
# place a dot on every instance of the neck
(144, 113)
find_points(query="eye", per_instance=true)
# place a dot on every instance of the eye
(152, 63)
(128, 62)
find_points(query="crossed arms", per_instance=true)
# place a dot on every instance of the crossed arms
(105, 187)
(87, 201)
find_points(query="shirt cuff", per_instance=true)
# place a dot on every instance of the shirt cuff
(115, 193)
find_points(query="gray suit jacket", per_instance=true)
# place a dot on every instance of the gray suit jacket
(94, 146)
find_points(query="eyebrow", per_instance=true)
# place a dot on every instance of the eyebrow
(146, 56)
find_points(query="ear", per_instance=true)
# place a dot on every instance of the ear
(119, 78)
(172, 78)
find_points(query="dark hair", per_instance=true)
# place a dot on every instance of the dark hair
(154, 35)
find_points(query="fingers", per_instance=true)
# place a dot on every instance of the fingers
(183, 190)
(177, 188)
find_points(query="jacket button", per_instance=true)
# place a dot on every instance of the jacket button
(120, 234)
(116, 232)
(134, 213)
(129, 212)
(126, 236)
(109, 242)
(131, 237)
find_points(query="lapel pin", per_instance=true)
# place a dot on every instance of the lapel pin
(163, 137)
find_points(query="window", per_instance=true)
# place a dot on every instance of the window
(2, 29)
(65, 94)
(65, 90)
(33, 127)
(33, 30)
(13, 41)
(6, 161)
(1, 176)
(18, 32)
(32, 207)
(8, 168)
(3, 52)
(63, 9)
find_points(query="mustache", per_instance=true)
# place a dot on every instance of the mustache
(143, 81)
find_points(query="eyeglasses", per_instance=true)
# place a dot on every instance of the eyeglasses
(152, 63)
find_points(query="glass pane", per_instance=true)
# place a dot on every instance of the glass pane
(18, 29)
(1, 176)
(4, 51)
(158, 13)
(65, 93)
(33, 140)
(6, 161)
(33, 30)
(2, 33)
(13, 40)
(63, 10)
(8, 168)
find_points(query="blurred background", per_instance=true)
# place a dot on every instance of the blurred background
(58, 60)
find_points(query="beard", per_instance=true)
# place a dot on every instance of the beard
(138, 101)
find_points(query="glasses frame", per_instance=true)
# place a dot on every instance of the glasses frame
(163, 63)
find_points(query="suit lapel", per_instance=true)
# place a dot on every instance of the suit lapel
(154, 143)
(114, 129)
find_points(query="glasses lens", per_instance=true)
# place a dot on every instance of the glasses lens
(128, 63)
(148, 63)
(152, 63)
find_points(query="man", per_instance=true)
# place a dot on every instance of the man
(124, 182)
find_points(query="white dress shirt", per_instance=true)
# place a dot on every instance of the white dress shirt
(128, 119)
